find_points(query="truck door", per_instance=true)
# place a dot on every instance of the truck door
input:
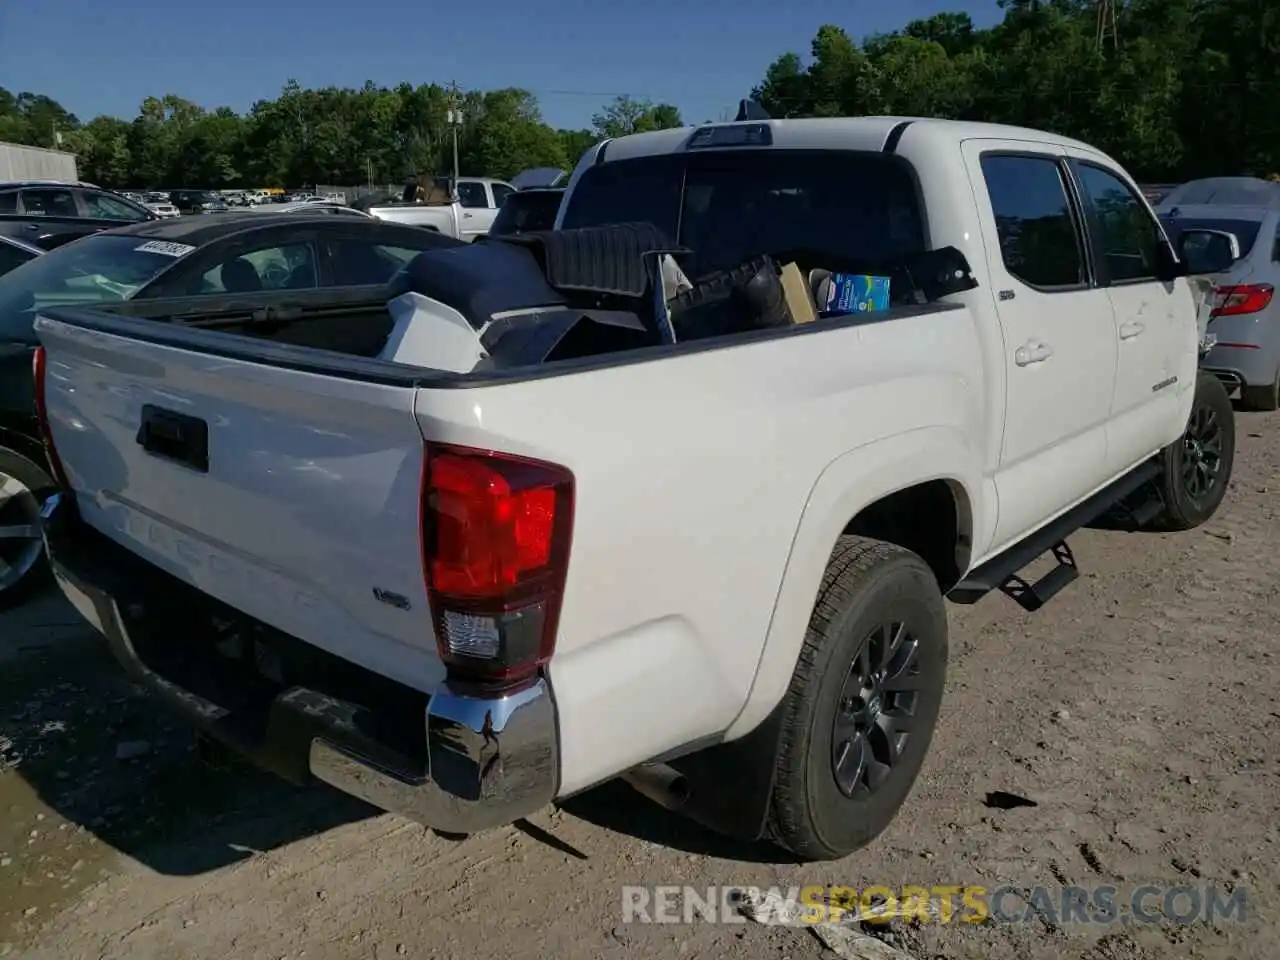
(1059, 333)
(1155, 323)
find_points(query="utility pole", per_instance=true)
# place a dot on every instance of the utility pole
(455, 121)
(1107, 30)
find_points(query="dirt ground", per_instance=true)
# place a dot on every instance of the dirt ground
(1138, 712)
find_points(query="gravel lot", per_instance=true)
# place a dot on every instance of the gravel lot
(1138, 712)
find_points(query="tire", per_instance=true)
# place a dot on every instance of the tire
(1262, 398)
(1200, 456)
(24, 486)
(869, 586)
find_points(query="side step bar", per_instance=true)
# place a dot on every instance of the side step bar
(1000, 572)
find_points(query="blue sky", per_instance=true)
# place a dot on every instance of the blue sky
(105, 56)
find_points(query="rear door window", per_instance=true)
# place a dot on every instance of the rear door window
(47, 202)
(275, 267)
(1040, 241)
(841, 209)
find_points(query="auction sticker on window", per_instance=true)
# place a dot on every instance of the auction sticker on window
(165, 247)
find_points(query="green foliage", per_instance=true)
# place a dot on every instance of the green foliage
(1187, 89)
(305, 136)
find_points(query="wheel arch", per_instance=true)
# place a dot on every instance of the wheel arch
(867, 491)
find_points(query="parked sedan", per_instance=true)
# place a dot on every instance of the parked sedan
(242, 257)
(1245, 213)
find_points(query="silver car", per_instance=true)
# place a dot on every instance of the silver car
(1246, 318)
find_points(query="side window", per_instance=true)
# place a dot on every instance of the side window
(50, 203)
(1039, 238)
(359, 262)
(9, 202)
(11, 256)
(1275, 249)
(106, 207)
(290, 267)
(1128, 235)
(472, 195)
(500, 192)
(401, 255)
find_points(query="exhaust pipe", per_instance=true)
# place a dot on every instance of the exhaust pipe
(663, 784)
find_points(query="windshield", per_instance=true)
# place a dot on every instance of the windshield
(843, 207)
(96, 269)
(1246, 231)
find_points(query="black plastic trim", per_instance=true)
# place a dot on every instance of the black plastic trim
(895, 136)
(993, 574)
(310, 360)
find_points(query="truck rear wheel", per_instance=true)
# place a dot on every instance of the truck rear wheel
(863, 701)
(1196, 468)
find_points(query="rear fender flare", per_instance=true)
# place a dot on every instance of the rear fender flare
(850, 483)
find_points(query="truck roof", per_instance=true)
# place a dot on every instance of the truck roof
(846, 133)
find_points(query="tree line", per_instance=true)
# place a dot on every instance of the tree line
(318, 136)
(1174, 89)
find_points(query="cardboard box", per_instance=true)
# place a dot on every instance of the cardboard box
(799, 298)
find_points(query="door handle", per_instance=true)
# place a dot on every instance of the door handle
(1033, 351)
(1132, 329)
(467, 216)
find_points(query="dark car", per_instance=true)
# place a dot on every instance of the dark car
(193, 201)
(14, 253)
(47, 214)
(532, 209)
(244, 259)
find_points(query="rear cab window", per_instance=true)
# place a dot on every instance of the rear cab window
(835, 209)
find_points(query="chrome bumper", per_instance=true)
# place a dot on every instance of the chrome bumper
(490, 760)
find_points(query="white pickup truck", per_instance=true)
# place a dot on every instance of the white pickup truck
(469, 215)
(714, 567)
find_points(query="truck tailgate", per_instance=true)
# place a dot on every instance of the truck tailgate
(289, 494)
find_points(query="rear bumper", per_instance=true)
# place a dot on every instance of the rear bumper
(1245, 352)
(457, 762)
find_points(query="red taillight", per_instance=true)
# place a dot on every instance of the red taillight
(1242, 298)
(42, 412)
(495, 550)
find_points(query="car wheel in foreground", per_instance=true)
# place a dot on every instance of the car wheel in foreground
(23, 488)
(863, 701)
(1197, 467)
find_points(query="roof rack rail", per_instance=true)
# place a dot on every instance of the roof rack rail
(750, 110)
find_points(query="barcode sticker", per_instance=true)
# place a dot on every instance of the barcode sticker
(166, 248)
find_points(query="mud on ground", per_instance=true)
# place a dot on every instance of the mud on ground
(1138, 712)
